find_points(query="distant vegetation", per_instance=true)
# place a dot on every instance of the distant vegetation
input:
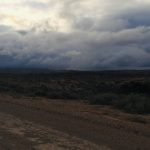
(126, 90)
(133, 103)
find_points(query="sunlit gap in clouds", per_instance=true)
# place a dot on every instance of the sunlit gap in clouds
(32, 14)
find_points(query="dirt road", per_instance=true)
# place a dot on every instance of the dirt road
(34, 127)
(17, 134)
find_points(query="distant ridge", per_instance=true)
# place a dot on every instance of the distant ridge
(46, 70)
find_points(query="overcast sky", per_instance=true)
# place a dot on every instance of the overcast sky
(75, 34)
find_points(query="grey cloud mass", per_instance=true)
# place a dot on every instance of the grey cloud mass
(115, 37)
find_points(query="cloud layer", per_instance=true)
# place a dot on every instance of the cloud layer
(81, 34)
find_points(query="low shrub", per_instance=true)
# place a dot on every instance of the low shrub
(134, 103)
(104, 99)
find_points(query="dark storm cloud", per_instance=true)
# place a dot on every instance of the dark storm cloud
(79, 50)
(118, 40)
(132, 17)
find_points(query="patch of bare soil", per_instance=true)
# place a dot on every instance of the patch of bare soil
(97, 114)
(17, 134)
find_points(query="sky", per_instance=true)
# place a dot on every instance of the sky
(75, 34)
